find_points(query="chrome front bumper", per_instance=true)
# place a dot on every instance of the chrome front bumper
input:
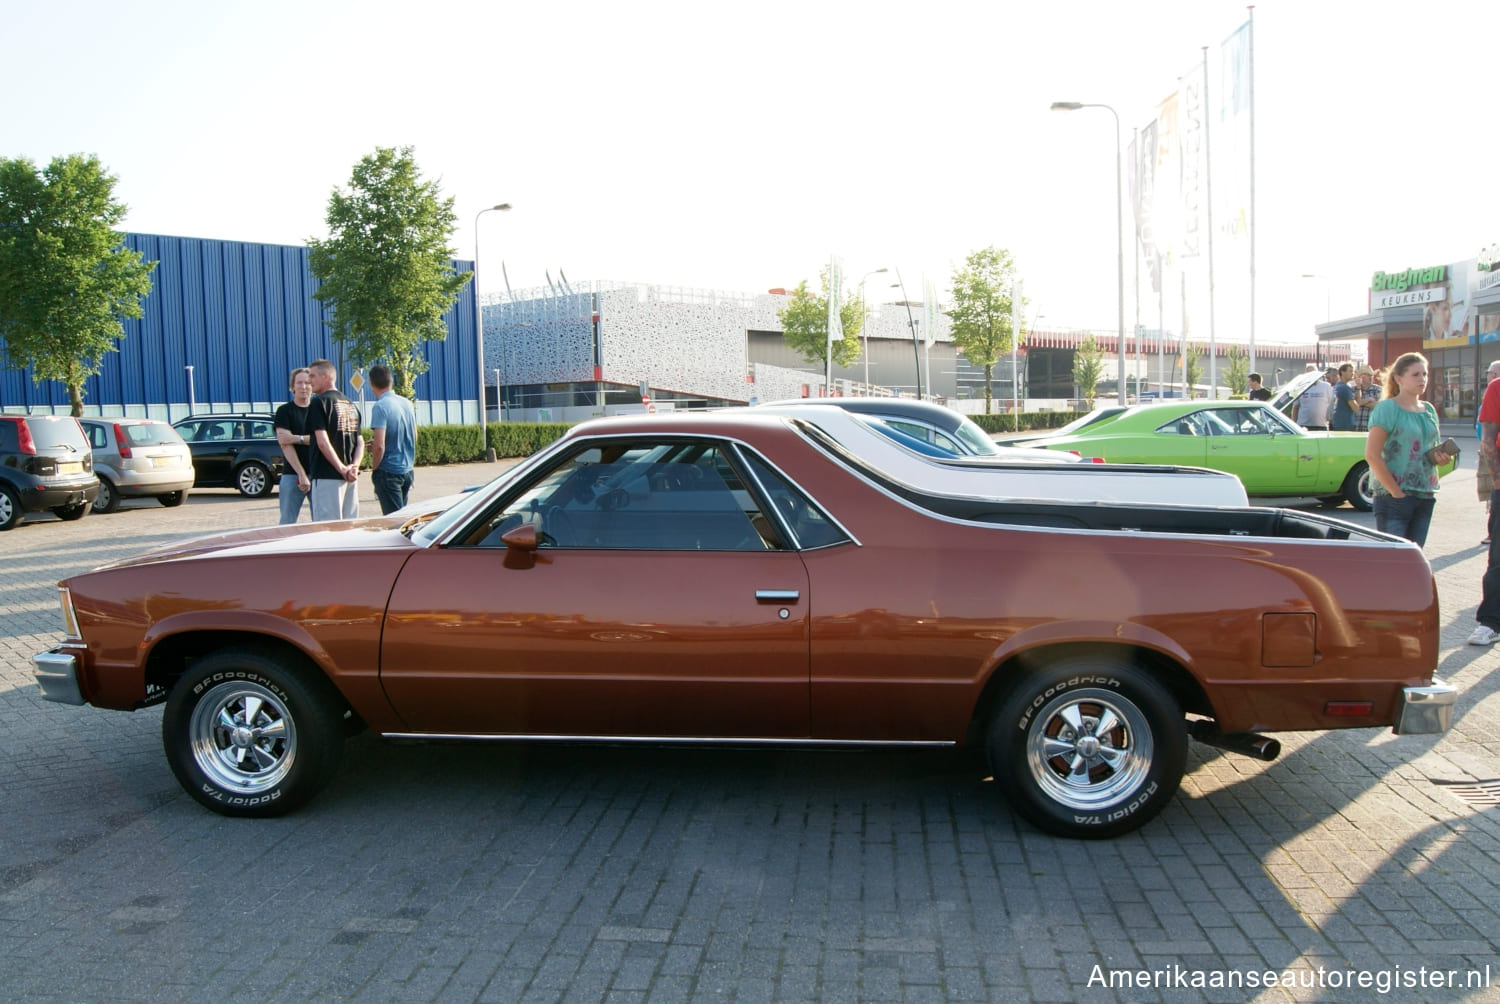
(57, 675)
(1425, 710)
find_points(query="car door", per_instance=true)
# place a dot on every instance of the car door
(659, 601)
(1254, 443)
(1180, 440)
(212, 446)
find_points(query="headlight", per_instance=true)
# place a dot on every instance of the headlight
(70, 619)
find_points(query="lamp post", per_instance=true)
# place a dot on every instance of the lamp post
(1073, 106)
(864, 321)
(916, 352)
(1327, 312)
(484, 436)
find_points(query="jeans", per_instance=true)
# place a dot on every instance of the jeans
(1488, 613)
(391, 488)
(292, 498)
(1407, 517)
(334, 498)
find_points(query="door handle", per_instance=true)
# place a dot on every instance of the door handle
(777, 595)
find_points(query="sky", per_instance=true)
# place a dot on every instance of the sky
(738, 147)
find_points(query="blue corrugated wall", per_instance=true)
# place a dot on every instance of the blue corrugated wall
(243, 316)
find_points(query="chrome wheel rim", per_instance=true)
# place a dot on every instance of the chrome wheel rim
(243, 737)
(7, 508)
(1087, 749)
(252, 480)
(1366, 489)
(101, 501)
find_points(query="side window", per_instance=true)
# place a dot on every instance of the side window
(98, 438)
(809, 525)
(262, 430)
(189, 430)
(651, 495)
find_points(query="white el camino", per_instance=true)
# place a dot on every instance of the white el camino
(998, 477)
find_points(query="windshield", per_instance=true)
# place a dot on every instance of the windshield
(976, 439)
(150, 434)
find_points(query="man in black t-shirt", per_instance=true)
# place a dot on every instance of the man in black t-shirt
(335, 462)
(1257, 392)
(294, 432)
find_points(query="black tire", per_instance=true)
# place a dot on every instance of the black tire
(172, 499)
(283, 749)
(1358, 487)
(71, 512)
(1133, 765)
(253, 479)
(10, 507)
(108, 499)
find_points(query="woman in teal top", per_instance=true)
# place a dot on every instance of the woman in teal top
(1401, 452)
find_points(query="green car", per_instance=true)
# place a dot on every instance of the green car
(1270, 453)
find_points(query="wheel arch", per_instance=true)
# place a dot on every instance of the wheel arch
(171, 656)
(1018, 665)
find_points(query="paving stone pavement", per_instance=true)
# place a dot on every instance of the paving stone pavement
(476, 873)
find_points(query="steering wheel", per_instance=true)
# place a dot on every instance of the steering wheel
(557, 527)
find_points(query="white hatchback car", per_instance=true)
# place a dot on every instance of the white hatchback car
(137, 457)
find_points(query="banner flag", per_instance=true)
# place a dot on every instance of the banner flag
(1143, 196)
(1191, 163)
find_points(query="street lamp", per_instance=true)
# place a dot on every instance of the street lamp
(916, 353)
(484, 438)
(1073, 106)
(1327, 312)
(864, 321)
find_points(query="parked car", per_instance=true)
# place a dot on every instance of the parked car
(138, 457)
(233, 451)
(1270, 453)
(1101, 414)
(44, 465)
(742, 578)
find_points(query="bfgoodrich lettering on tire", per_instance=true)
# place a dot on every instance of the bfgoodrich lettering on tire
(1088, 747)
(248, 736)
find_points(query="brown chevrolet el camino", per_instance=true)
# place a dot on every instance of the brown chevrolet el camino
(742, 579)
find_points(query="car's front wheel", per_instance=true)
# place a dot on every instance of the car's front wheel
(108, 500)
(253, 479)
(1088, 747)
(1359, 487)
(247, 735)
(172, 499)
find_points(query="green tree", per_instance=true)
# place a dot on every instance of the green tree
(981, 310)
(385, 269)
(66, 278)
(1088, 367)
(1237, 374)
(1192, 371)
(804, 324)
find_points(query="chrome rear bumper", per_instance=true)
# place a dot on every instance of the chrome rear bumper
(1425, 710)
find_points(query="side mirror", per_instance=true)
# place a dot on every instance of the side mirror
(522, 538)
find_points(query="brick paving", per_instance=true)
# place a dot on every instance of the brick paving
(477, 873)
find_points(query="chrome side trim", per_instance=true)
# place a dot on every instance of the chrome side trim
(57, 675)
(1425, 710)
(672, 740)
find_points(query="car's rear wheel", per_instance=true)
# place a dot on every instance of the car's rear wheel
(1359, 487)
(10, 508)
(71, 512)
(172, 499)
(253, 479)
(1088, 747)
(247, 735)
(108, 499)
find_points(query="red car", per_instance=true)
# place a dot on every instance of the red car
(741, 578)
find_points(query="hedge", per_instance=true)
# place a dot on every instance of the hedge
(997, 423)
(460, 444)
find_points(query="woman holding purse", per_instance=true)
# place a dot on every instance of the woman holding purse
(1404, 453)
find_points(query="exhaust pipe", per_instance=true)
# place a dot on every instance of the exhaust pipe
(1248, 744)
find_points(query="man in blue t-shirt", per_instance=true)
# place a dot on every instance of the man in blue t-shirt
(1345, 401)
(393, 449)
